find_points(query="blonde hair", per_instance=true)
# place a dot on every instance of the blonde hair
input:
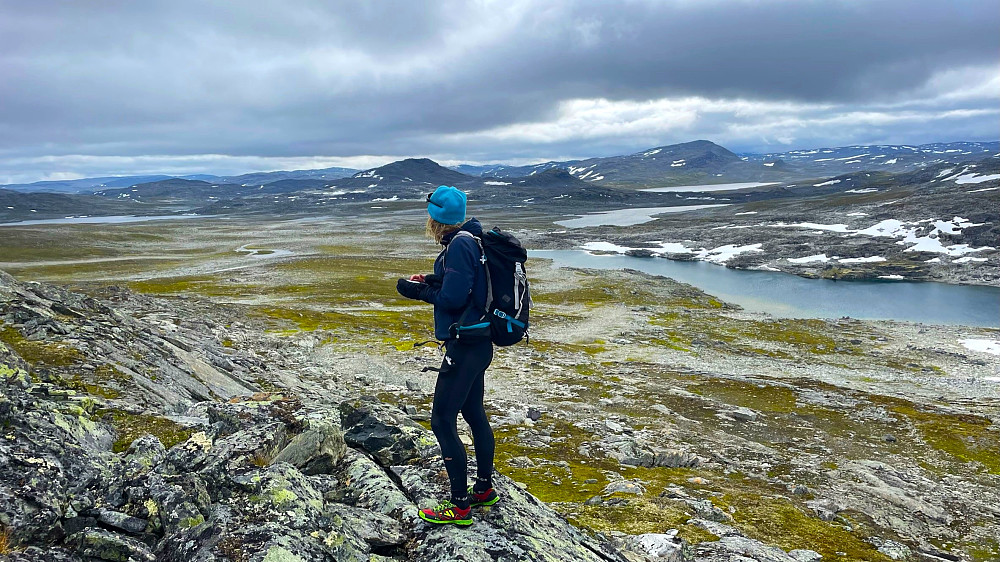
(437, 231)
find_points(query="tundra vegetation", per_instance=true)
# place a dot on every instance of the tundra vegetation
(655, 406)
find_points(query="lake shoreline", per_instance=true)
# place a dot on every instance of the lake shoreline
(745, 292)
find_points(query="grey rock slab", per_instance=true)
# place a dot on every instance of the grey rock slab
(663, 409)
(804, 555)
(744, 414)
(895, 550)
(676, 459)
(122, 521)
(659, 547)
(105, 545)
(372, 488)
(217, 382)
(385, 432)
(518, 528)
(731, 548)
(371, 530)
(625, 487)
(317, 449)
(716, 528)
(705, 509)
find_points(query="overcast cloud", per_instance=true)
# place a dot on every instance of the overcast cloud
(122, 87)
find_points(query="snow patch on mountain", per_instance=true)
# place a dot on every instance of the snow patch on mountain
(976, 178)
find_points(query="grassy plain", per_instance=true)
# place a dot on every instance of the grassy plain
(664, 361)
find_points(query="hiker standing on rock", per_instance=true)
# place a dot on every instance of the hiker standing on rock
(459, 280)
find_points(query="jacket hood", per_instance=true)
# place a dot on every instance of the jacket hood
(472, 226)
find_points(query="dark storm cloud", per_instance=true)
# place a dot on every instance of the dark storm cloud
(269, 78)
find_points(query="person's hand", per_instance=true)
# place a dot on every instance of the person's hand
(419, 278)
(410, 289)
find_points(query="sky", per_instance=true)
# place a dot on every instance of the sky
(198, 86)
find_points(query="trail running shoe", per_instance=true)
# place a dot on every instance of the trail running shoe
(489, 497)
(447, 512)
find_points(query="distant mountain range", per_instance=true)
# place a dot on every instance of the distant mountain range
(706, 162)
(573, 183)
(90, 185)
(679, 164)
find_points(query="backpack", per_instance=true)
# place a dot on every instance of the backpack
(508, 297)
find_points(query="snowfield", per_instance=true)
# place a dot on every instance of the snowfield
(893, 228)
(976, 178)
(810, 259)
(982, 346)
(889, 228)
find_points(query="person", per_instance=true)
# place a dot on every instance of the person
(459, 280)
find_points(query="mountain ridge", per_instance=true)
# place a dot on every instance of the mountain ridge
(795, 163)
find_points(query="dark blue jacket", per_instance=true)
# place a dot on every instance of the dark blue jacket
(463, 278)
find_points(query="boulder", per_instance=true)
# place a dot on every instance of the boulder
(105, 545)
(317, 449)
(385, 432)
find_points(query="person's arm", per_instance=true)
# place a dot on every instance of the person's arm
(459, 276)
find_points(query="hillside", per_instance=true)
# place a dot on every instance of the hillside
(18, 206)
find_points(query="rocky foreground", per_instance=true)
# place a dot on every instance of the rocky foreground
(149, 438)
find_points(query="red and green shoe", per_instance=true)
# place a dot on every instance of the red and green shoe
(489, 497)
(447, 513)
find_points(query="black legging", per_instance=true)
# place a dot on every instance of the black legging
(460, 387)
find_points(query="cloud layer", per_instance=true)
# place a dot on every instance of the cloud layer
(186, 86)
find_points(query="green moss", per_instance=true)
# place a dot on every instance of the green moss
(189, 522)
(96, 270)
(129, 427)
(280, 497)
(985, 550)
(98, 390)
(966, 438)
(39, 353)
(98, 385)
(387, 328)
(656, 516)
(779, 522)
(763, 398)
(10, 374)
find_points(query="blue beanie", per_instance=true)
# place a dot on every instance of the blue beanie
(447, 205)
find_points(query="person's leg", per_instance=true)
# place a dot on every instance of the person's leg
(458, 374)
(474, 414)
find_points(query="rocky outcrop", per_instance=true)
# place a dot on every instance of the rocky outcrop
(264, 478)
(159, 364)
(258, 476)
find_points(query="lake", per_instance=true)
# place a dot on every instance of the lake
(790, 296)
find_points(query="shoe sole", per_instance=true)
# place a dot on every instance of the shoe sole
(486, 503)
(461, 522)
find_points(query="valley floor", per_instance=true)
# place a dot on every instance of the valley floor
(656, 406)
